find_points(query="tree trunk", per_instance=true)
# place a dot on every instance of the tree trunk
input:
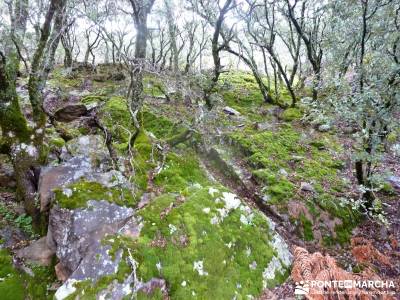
(67, 58)
(25, 145)
(141, 12)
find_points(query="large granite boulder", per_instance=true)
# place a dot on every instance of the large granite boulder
(77, 238)
(87, 160)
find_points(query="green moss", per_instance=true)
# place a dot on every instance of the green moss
(58, 79)
(307, 228)
(144, 160)
(20, 286)
(291, 114)
(160, 126)
(222, 248)
(180, 171)
(84, 191)
(153, 86)
(12, 120)
(277, 187)
(387, 188)
(186, 235)
(93, 99)
(269, 151)
(57, 142)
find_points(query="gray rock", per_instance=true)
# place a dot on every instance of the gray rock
(90, 161)
(307, 187)
(75, 236)
(324, 127)
(283, 172)
(12, 237)
(394, 181)
(78, 94)
(59, 176)
(87, 84)
(297, 158)
(230, 111)
(7, 178)
(90, 146)
(37, 252)
(349, 129)
(70, 113)
(395, 148)
(51, 101)
(264, 126)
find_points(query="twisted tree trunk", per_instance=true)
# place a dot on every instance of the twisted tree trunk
(25, 144)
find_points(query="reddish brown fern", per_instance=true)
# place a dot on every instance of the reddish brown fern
(364, 252)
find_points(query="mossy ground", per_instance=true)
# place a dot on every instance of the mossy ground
(272, 154)
(185, 235)
(16, 285)
(178, 228)
(178, 232)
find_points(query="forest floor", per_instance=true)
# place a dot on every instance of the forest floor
(278, 165)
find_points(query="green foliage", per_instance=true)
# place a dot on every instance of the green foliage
(23, 221)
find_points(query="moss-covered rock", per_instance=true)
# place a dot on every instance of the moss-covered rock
(77, 195)
(291, 114)
(197, 235)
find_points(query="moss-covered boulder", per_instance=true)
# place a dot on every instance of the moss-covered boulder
(76, 234)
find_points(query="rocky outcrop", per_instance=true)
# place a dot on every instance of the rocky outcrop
(75, 236)
(87, 159)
